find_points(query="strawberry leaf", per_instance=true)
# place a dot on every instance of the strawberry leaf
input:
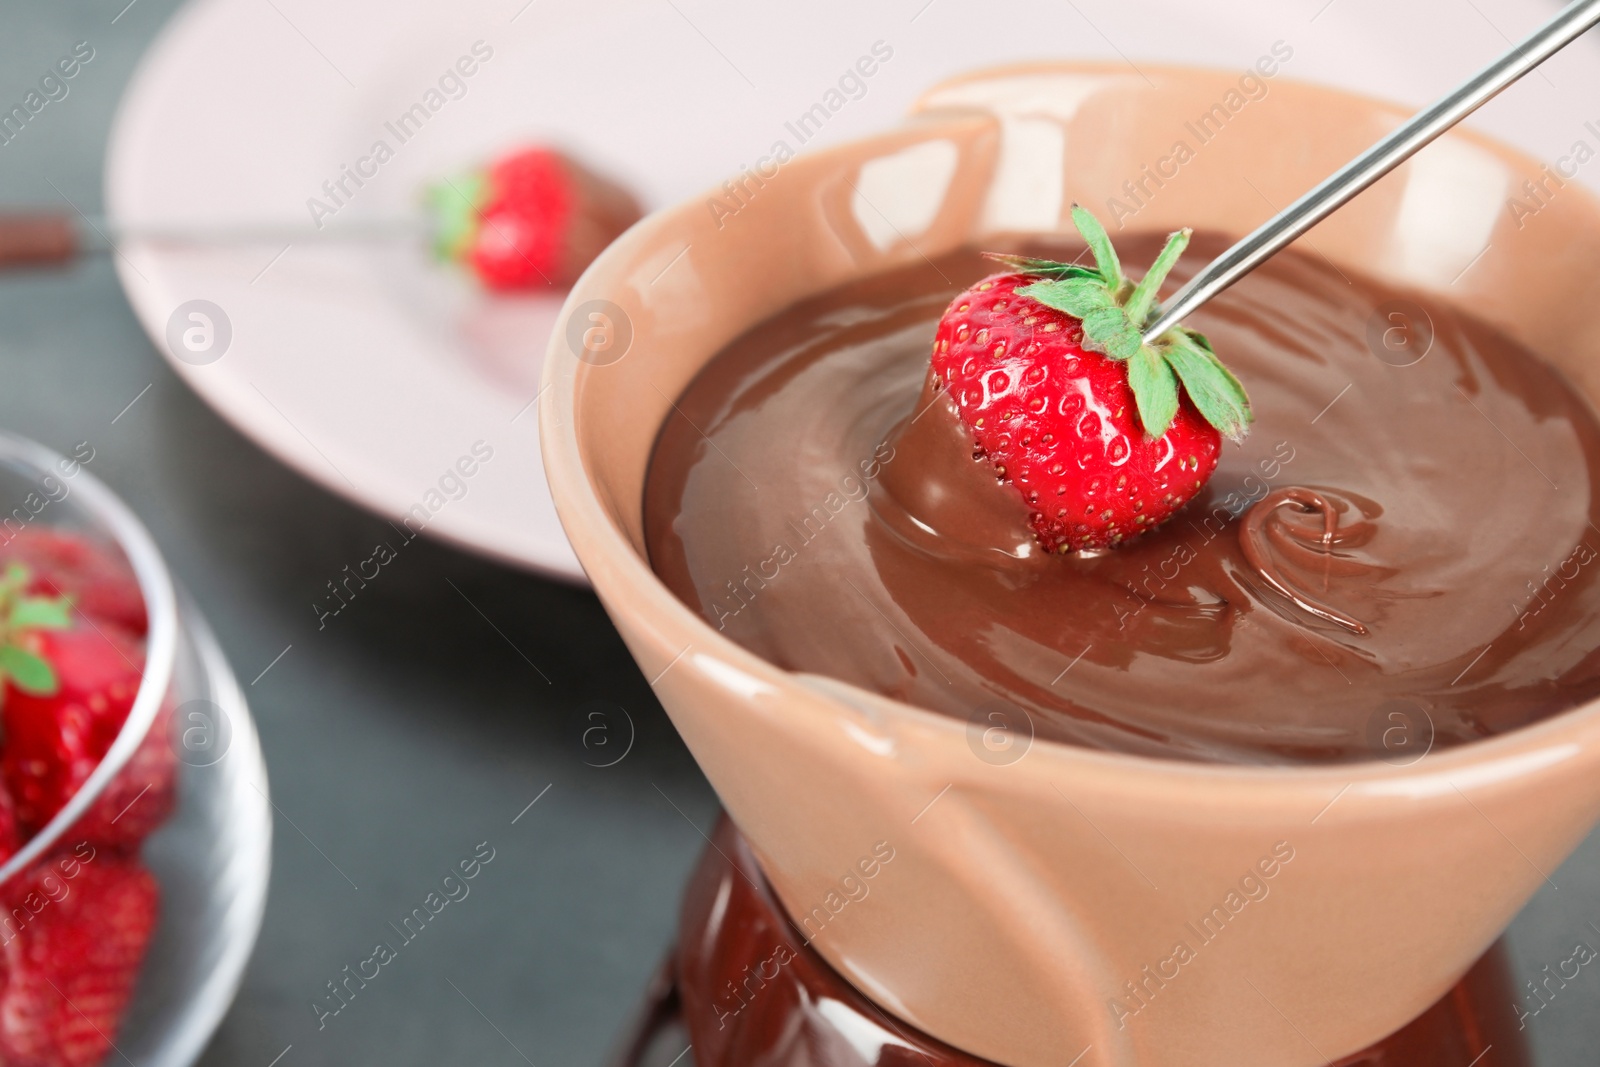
(1076, 296)
(1113, 312)
(1108, 330)
(1123, 342)
(1203, 342)
(40, 613)
(18, 615)
(28, 672)
(1099, 242)
(454, 206)
(1044, 268)
(1216, 393)
(13, 581)
(1103, 322)
(1144, 294)
(1155, 390)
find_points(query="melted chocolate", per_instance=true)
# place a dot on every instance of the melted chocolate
(1391, 540)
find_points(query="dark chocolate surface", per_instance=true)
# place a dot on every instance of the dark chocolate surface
(1398, 557)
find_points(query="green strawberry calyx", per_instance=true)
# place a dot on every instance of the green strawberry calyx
(455, 206)
(21, 615)
(1115, 311)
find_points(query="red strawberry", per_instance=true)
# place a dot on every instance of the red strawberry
(68, 687)
(55, 736)
(101, 584)
(1047, 369)
(10, 833)
(535, 218)
(142, 795)
(72, 947)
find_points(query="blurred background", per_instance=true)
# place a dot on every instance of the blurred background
(456, 701)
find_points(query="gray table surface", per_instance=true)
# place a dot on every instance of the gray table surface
(400, 738)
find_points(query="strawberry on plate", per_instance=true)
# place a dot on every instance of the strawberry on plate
(1103, 435)
(534, 218)
(66, 687)
(70, 953)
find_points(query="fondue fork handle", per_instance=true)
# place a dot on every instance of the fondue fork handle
(1375, 162)
(54, 238)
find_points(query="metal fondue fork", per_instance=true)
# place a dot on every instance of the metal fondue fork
(1374, 163)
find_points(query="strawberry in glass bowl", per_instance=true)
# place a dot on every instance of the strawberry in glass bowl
(123, 738)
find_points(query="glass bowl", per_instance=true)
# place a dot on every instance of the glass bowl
(211, 856)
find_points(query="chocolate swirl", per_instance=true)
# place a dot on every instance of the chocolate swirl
(1290, 554)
